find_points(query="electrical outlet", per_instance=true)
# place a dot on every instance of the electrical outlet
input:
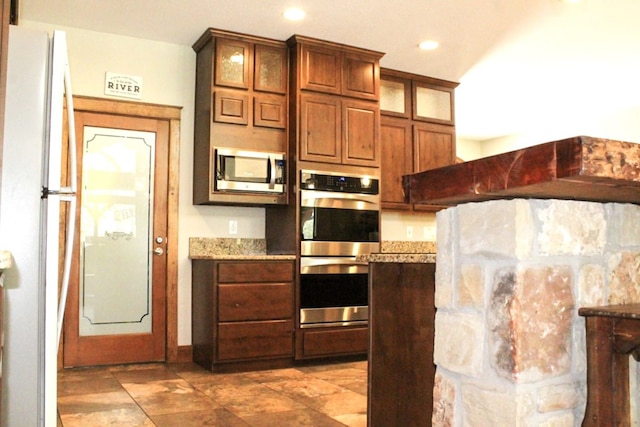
(429, 233)
(409, 231)
(233, 227)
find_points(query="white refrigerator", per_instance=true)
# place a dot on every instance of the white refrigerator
(38, 84)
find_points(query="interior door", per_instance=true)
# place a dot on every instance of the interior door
(117, 295)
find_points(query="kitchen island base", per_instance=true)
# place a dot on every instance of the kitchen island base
(401, 369)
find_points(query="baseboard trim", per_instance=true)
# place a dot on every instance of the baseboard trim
(185, 354)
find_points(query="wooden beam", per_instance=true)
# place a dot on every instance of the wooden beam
(579, 168)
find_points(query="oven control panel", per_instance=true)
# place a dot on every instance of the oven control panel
(312, 180)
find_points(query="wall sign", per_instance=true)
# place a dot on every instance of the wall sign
(122, 85)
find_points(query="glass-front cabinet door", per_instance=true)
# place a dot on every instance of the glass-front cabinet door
(433, 103)
(395, 97)
(232, 63)
(271, 69)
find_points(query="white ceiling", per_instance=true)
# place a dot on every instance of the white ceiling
(521, 63)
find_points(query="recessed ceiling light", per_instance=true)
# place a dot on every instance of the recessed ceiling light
(429, 45)
(294, 14)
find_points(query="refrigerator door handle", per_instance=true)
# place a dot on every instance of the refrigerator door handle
(68, 194)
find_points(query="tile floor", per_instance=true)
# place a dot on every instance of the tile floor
(187, 395)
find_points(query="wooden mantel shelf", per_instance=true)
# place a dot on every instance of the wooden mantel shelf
(579, 168)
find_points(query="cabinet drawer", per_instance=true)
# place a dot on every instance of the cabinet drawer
(258, 301)
(245, 340)
(252, 272)
(335, 342)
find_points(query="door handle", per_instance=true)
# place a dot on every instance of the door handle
(158, 251)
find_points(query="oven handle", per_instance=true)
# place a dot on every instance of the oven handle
(328, 199)
(332, 265)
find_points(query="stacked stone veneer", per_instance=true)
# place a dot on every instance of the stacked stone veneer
(510, 278)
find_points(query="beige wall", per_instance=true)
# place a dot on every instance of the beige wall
(624, 125)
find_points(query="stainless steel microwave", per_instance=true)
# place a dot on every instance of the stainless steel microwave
(249, 171)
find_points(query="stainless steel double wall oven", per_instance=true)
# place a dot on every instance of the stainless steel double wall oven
(339, 220)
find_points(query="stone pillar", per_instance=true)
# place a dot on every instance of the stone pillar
(510, 278)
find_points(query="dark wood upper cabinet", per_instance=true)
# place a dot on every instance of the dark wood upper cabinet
(242, 84)
(396, 136)
(417, 97)
(320, 69)
(339, 131)
(320, 128)
(338, 69)
(361, 76)
(335, 102)
(417, 131)
(360, 133)
(434, 146)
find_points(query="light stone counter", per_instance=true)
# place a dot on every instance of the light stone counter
(226, 248)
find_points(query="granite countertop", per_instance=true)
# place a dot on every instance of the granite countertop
(399, 258)
(247, 257)
(403, 252)
(226, 248)
(407, 247)
(256, 249)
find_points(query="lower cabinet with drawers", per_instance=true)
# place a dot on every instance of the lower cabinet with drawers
(242, 313)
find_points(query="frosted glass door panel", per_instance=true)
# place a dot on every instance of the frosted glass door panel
(392, 96)
(432, 103)
(116, 232)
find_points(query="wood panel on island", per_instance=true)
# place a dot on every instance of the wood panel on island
(402, 326)
(612, 334)
(240, 104)
(417, 131)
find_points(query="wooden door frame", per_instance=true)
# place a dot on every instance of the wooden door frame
(172, 115)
